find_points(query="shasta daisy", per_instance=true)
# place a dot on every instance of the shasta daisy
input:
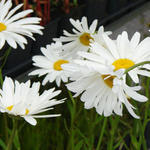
(24, 100)
(121, 54)
(13, 26)
(81, 38)
(50, 64)
(106, 92)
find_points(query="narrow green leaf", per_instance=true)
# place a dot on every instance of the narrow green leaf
(16, 141)
(2, 144)
(79, 145)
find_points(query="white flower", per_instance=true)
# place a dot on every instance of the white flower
(121, 54)
(106, 92)
(50, 64)
(19, 99)
(98, 37)
(13, 26)
(81, 38)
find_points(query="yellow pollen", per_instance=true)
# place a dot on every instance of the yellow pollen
(27, 111)
(109, 80)
(58, 63)
(122, 63)
(85, 39)
(10, 107)
(2, 27)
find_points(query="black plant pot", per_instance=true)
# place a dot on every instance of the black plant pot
(93, 9)
(117, 8)
(64, 24)
(96, 9)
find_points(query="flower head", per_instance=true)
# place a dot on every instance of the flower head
(106, 92)
(13, 26)
(120, 54)
(51, 64)
(24, 100)
(82, 37)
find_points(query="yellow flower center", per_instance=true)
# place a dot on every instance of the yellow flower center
(85, 39)
(10, 107)
(27, 111)
(2, 27)
(108, 81)
(58, 63)
(122, 63)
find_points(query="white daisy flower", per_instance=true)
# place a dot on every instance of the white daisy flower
(98, 37)
(19, 99)
(50, 64)
(121, 54)
(82, 37)
(107, 93)
(13, 26)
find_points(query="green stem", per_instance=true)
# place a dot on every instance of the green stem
(6, 127)
(3, 64)
(146, 114)
(101, 134)
(147, 104)
(143, 141)
(72, 108)
(1, 84)
(1, 78)
(5, 57)
(136, 65)
(10, 142)
(114, 124)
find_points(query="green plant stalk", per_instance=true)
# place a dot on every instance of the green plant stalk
(143, 124)
(136, 65)
(72, 112)
(6, 127)
(3, 64)
(121, 141)
(143, 141)
(139, 133)
(1, 78)
(114, 124)
(101, 134)
(1, 84)
(10, 142)
(135, 132)
(146, 113)
(5, 57)
(147, 104)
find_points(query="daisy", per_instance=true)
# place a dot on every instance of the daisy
(98, 37)
(50, 64)
(81, 38)
(106, 92)
(121, 54)
(24, 100)
(13, 26)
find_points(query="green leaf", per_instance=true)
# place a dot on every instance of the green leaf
(2, 144)
(79, 145)
(83, 136)
(16, 141)
(134, 142)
